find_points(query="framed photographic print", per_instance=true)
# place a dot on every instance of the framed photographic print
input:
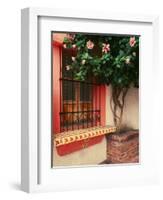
(88, 114)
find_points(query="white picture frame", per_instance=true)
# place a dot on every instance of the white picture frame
(36, 173)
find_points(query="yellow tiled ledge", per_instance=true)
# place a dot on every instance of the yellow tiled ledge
(81, 134)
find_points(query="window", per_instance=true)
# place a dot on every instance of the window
(80, 100)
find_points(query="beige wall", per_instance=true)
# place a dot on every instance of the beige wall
(131, 109)
(89, 156)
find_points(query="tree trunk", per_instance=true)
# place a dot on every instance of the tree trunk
(117, 103)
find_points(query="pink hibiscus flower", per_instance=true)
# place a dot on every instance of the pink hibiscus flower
(67, 67)
(134, 53)
(127, 60)
(83, 62)
(64, 46)
(105, 48)
(132, 41)
(90, 44)
(73, 58)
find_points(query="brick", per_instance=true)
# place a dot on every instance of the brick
(123, 147)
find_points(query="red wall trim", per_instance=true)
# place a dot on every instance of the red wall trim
(56, 88)
(103, 104)
(56, 43)
(99, 102)
(78, 145)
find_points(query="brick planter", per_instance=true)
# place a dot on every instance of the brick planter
(123, 147)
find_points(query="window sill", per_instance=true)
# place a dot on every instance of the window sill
(82, 134)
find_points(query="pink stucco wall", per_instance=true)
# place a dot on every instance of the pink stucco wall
(56, 88)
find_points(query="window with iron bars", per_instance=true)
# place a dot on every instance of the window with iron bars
(80, 100)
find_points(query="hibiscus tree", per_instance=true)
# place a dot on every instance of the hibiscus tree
(112, 60)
